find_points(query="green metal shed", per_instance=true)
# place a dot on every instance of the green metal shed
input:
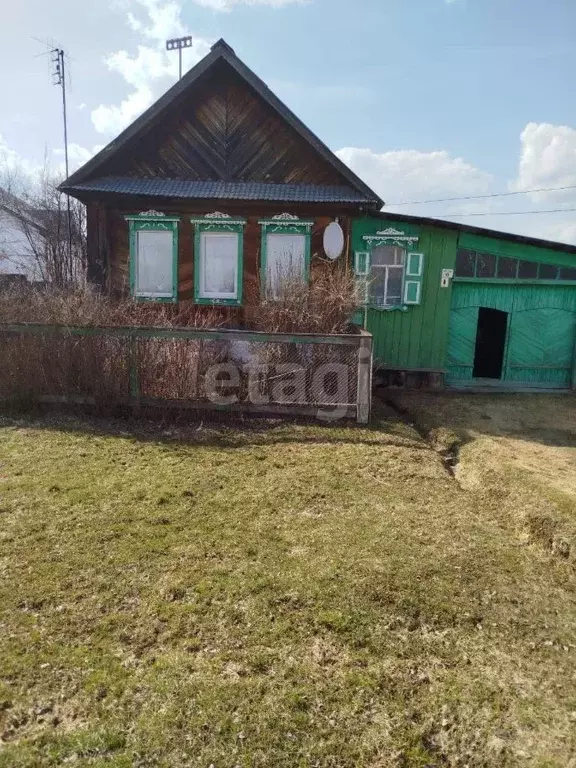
(481, 309)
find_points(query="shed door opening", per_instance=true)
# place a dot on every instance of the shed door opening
(490, 343)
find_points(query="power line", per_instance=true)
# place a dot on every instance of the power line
(483, 197)
(508, 213)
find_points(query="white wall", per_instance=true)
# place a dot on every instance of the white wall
(15, 252)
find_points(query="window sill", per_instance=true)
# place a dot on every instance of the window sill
(391, 308)
(218, 302)
(156, 299)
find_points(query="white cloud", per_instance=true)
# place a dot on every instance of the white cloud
(151, 69)
(228, 5)
(547, 159)
(77, 156)
(18, 173)
(163, 20)
(407, 175)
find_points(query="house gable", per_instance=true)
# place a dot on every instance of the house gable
(221, 123)
(222, 130)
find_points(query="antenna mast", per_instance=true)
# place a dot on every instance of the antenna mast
(59, 78)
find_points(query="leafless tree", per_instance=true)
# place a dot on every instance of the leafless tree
(34, 231)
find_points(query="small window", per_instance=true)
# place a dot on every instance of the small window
(153, 257)
(527, 270)
(285, 260)
(218, 255)
(486, 265)
(285, 252)
(567, 273)
(507, 267)
(154, 269)
(465, 263)
(387, 276)
(547, 272)
(218, 266)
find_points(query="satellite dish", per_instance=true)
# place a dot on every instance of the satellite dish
(333, 240)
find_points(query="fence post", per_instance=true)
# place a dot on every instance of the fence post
(133, 368)
(364, 390)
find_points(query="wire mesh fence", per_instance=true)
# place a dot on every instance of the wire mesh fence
(324, 376)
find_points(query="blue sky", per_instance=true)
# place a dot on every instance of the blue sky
(423, 98)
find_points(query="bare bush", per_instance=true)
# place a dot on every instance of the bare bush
(324, 305)
(85, 307)
(102, 368)
(75, 357)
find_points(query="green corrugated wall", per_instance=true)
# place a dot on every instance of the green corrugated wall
(414, 338)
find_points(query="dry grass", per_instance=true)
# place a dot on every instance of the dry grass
(519, 447)
(324, 305)
(25, 304)
(274, 595)
(97, 368)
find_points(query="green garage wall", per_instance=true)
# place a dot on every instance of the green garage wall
(414, 337)
(541, 334)
(440, 333)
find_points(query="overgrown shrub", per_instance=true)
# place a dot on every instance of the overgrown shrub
(104, 368)
(324, 305)
(85, 307)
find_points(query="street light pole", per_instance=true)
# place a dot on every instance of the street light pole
(178, 44)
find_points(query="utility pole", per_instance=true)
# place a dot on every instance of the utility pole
(178, 44)
(59, 78)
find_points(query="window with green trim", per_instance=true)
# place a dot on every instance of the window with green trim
(285, 252)
(388, 273)
(388, 277)
(475, 264)
(153, 256)
(218, 257)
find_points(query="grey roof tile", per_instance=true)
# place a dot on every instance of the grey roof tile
(221, 190)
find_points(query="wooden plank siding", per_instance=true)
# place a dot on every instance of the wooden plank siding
(414, 338)
(223, 130)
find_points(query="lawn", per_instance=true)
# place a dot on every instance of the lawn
(285, 595)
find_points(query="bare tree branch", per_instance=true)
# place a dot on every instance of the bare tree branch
(35, 217)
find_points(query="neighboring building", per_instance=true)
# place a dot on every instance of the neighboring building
(213, 192)
(20, 237)
(467, 307)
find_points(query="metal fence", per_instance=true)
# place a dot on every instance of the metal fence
(328, 377)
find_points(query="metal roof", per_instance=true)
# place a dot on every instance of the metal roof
(221, 51)
(428, 221)
(215, 190)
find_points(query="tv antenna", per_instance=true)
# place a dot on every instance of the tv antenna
(178, 44)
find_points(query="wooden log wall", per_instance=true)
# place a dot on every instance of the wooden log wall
(115, 240)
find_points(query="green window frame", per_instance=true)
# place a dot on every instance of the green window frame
(284, 224)
(153, 221)
(413, 268)
(218, 224)
(491, 267)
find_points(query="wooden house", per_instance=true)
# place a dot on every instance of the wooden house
(218, 186)
(455, 305)
(213, 191)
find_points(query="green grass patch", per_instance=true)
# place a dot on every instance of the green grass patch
(274, 595)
